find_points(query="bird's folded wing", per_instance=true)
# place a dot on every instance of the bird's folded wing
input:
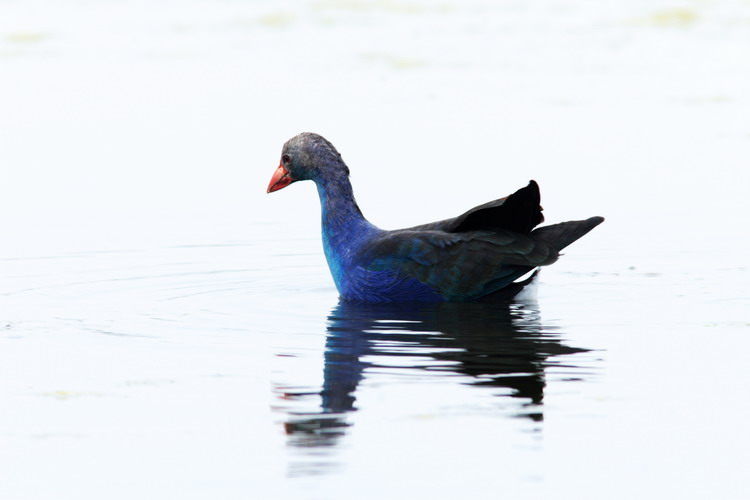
(459, 265)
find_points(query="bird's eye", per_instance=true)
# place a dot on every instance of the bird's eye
(285, 159)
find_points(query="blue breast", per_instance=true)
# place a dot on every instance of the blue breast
(357, 281)
(362, 285)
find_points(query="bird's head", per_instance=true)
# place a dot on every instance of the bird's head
(306, 156)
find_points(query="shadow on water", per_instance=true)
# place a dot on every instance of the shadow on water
(502, 347)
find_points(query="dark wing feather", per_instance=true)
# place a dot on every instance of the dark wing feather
(462, 265)
(479, 252)
(519, 212)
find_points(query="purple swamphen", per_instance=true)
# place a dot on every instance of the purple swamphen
(478, 255)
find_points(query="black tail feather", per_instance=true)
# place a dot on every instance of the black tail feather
(563, 234)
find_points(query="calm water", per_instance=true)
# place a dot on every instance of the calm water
(167, 330)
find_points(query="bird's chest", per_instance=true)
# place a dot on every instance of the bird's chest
(341, 257)
(357, 280)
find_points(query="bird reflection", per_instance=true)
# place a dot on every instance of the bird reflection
(499, 346)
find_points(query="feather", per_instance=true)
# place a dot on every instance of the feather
(477, 255)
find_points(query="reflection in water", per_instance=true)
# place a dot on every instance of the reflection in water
(500, 346)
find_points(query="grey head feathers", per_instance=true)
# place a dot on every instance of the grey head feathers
(309, 153)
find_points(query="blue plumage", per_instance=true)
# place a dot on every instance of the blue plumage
(475, 256)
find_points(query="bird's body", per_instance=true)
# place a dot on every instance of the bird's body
(471, 257)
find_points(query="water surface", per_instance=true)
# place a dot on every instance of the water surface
(169, 331)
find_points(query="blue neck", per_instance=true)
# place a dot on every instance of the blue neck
(344, 227)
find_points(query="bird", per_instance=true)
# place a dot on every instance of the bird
(487, 253)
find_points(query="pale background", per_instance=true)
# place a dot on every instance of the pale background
(149, 286)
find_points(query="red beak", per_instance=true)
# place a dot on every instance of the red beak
(281, 179)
